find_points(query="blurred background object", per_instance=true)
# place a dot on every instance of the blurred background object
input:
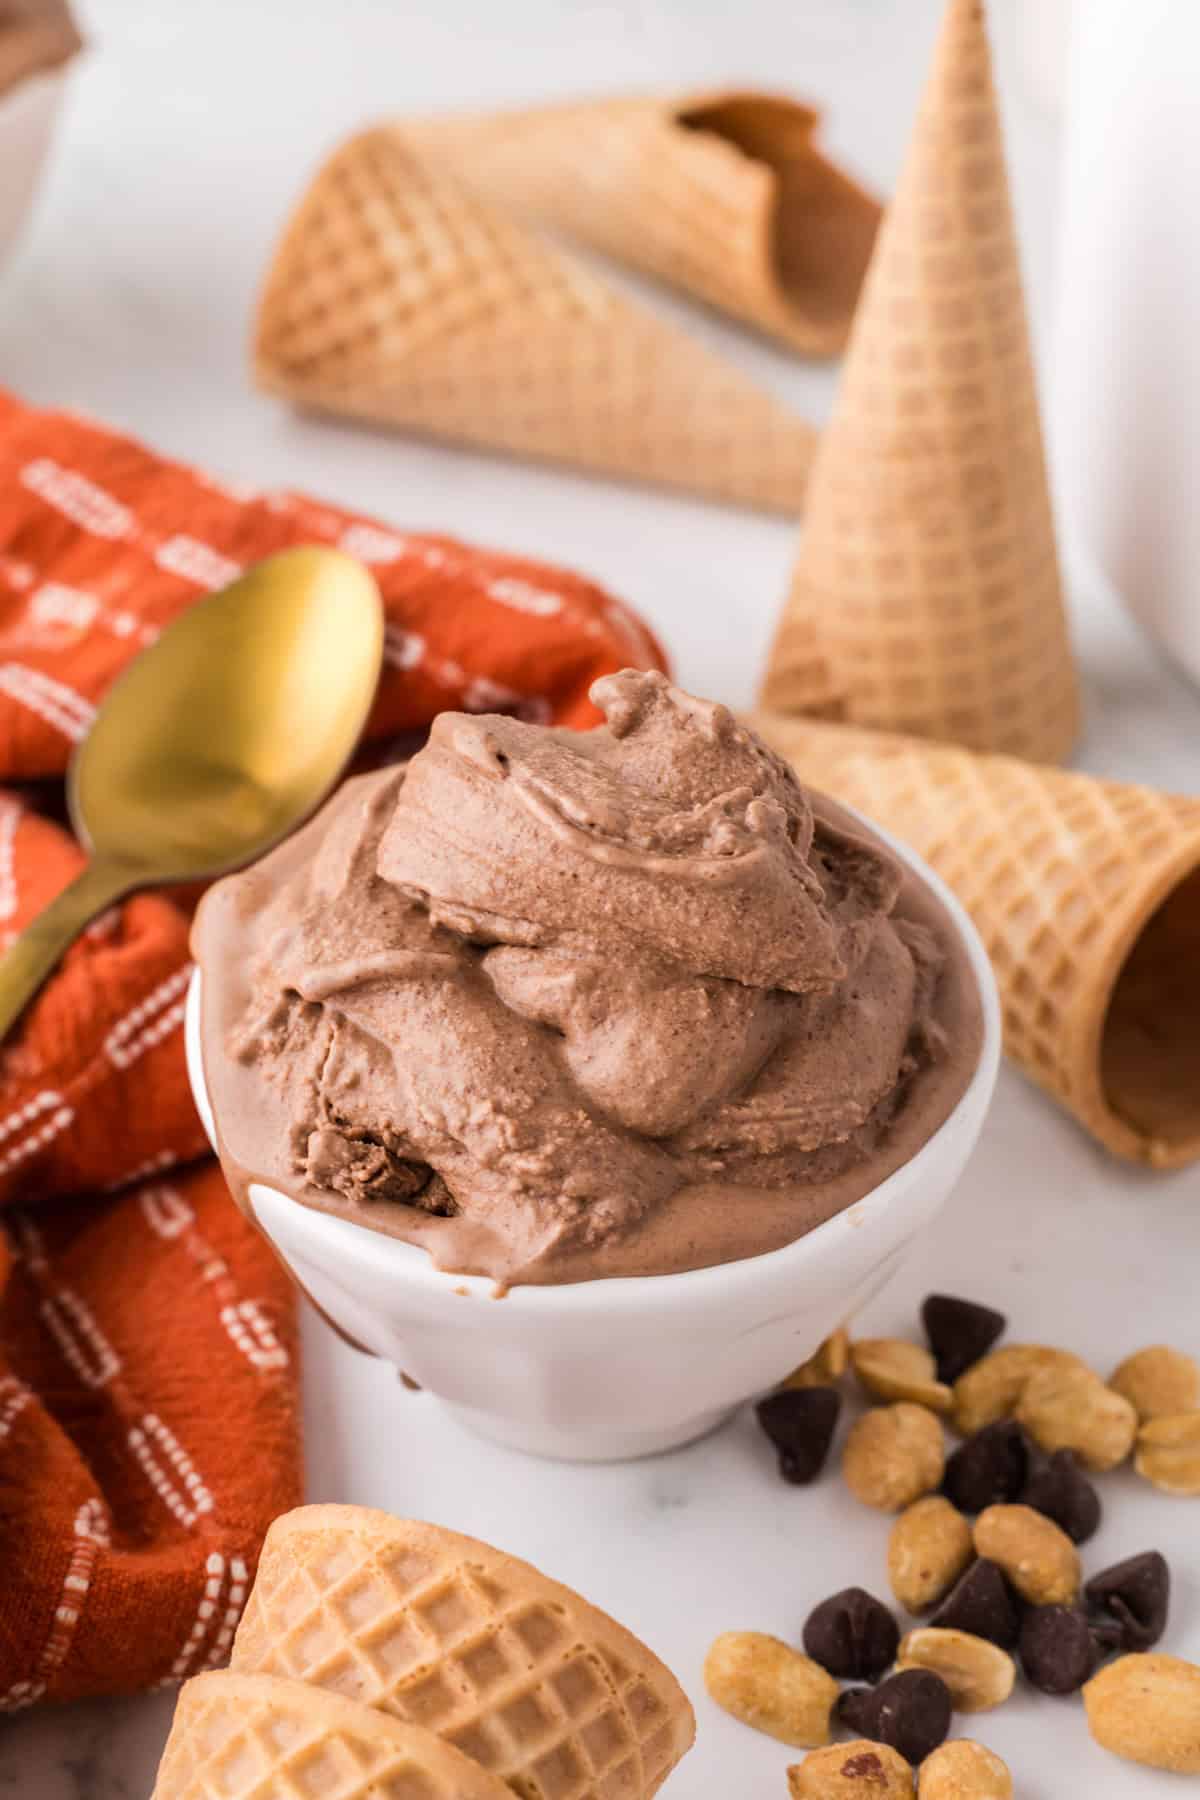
(1045, 37)
(1127, 358)
(400, 297)
(724, 194)
(182, 151)
(38, 41)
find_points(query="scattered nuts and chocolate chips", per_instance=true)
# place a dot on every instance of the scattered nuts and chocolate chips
(929, 1548)
(1033, 1418)
(800, 1422)
(852, 1635)
(991, 1388)
(894, 1369)
(893, 1455)
(964, 1770)
(826, 1365)
(990, 1468)
(1133, 1598)
(1158, 1382)
(978, 1673)
(984, 1604)
(1146, 1708)
(1058, 1487)
(860, 1771)
(1071, 1409)
(1057, 1649)
(1168, 1453)
(765, 1683)
(909, 1711)
(1037, 1556)
(959, 1333)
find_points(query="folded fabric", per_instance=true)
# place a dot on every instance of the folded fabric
(149, 1421)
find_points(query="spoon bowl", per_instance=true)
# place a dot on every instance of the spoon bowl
(215, 743)
(227, 732)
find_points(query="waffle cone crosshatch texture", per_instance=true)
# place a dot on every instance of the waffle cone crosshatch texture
(398, 298)
(512, 1669)
(926, 595)
(1087, 896)
(249, 1737)
(725, 194)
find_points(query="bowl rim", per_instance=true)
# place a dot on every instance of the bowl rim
(347, 1240)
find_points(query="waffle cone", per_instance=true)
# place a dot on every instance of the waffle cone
(724, 194)
(398, 298)
(514, 1670)
(926, 597)
(250, 1737)
(1087, 896)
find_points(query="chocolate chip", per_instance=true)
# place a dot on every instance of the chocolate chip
(990, 1469)
(982, 1603)
(1107, 1635)
(909, 1711)
(1058, 1487)
(1057, 1651)
(853, 1635)
(959, 1332)
(800, 1423)
(1132, 1597)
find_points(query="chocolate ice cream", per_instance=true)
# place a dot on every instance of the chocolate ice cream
(560, 1005)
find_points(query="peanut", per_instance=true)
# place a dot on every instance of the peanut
(765, 1683)
(928, 1550)
(826, 1365)
(979, 1674)
(893, 1369)
(964, 1770)
(1168, 1453)
(857, 1771)
(1064, 1408)
(893, 1455)
(1158, 1381)
(1039, 1559)
(991, 1388)
(1147, 1709)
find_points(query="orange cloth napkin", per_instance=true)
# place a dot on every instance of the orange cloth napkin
(149, 1421)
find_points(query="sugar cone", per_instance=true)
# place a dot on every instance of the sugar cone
(724, 194)
(396, 297)
(1087, 895)
(926, 596)
(516, 1671)
(249, 1737)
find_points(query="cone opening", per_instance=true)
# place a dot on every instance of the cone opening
(1150, 1039)
(823, 229)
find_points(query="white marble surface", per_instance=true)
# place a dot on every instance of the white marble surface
(187, 132)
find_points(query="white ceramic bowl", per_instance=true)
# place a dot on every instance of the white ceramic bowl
(597, 1370)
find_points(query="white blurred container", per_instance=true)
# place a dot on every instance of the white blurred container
(28, 115)
(1127, 367)
(1045, 34)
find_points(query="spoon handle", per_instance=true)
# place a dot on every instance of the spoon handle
(25, 966)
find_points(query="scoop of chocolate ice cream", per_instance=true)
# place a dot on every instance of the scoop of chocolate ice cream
(559, 1005)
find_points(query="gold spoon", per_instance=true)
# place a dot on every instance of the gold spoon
(215, 744)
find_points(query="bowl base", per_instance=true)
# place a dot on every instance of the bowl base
(566, 1443)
